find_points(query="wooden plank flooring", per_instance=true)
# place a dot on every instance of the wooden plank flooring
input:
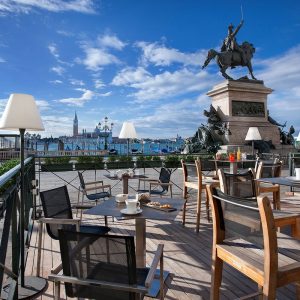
(187, 254)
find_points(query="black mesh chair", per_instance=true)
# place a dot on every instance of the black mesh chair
(240, 184)
(103, 267)
(97, 186)
(58, 214)
(160, 186)
(245, 237)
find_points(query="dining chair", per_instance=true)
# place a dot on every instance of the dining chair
(104, 267)
(100, 191)
(58, 214)
(193, 179)
(160, 186)
(266, 170)
(245, 237)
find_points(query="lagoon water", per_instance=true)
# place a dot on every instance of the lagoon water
(145, 148)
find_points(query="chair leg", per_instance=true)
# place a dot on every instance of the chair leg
(184, 206)
(207, 206)
(276, 196)
(56, 290)
(198, 210)
(260, 290)
(39, 249)
(161, 278)
(269, 292)
(216, 277)
(298, 290)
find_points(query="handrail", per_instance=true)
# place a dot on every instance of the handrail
(12, 172)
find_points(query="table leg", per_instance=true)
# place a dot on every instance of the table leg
(140, 229)
(125, 184)
(233, 167)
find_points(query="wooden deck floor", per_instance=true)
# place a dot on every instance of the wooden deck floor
(187, 254)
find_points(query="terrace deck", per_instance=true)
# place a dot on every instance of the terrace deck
(187, 254)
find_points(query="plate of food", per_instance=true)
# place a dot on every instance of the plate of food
(160, 206)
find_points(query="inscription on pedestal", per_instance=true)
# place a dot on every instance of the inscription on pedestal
(248, 109)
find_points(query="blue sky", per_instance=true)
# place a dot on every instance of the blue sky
(141, 60)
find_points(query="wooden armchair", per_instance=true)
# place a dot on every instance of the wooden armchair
(104, 267)
(250, 244)
(267, 170)
(193, 179)
(58, 214)
(159, 186)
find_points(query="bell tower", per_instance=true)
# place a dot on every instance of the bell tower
(75, 125)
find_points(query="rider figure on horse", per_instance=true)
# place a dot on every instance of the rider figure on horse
(230, 43)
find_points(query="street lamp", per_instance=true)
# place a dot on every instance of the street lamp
(128, 132)
(21, 113)
(106, 129)
(253, 135)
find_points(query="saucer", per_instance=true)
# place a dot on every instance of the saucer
(293, 178)
(125, 212)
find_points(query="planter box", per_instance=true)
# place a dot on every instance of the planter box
(89, 166)
(148, 164)
(57, 167)
(172, 164)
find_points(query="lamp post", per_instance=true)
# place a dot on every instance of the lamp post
(128, 132)
(253, 135)
(106, 129)
(21, 113)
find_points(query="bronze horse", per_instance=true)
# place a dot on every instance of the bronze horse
(232, 59)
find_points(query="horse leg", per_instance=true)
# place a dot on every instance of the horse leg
(249, 65)
(223, 71)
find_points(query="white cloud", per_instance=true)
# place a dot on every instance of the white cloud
(76, 82)
(164, 85)
(59, 70)
(97, 58)
(99, 84)
(111, 41)
(53, 50)
(80, 101)
(159, 55)
(56, 81)
(105, 94)
(56, 125)
(130, 76)
(25, 6)
(43, 105)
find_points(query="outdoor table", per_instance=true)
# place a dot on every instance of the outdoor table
(287, 181)
(112, 208)
(233, 163)
(125, 179)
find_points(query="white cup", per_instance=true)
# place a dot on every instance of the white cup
(297, 171)
(113, 174)
(138, 196)
(132, 205)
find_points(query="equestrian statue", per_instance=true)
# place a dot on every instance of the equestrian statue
(232, 54)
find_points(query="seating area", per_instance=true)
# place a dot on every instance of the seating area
(187, 254)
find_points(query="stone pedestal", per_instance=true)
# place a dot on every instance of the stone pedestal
(243, 104)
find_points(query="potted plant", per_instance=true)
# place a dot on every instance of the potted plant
(172, 161)
(112, 162)
(85, 162)
(125, 162)
(57, 164)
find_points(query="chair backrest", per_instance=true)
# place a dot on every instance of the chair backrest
(268, 169)
(245, 225)
(192, 172)
(239, 185)
(56, 204)
(109, 258)
(164, 177)
(81, 180)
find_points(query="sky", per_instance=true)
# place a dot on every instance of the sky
(140, 60)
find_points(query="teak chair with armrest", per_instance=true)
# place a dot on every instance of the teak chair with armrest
(104, 267)
(58, 214)
(267, 170)
(193, 179)
(249, 243)
(159, 186)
